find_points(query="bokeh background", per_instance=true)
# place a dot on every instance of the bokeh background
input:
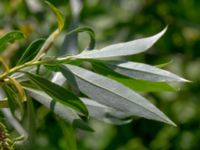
(117, 21)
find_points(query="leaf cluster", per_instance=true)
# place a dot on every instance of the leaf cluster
(95, 83)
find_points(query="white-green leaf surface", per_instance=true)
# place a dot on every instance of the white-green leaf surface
(134, 84)
(143, 71)
(105, 113)
(66, 113)
(111, 93)
(122, 49)
(61, 110)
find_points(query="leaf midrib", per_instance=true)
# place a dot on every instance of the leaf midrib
(122, 97)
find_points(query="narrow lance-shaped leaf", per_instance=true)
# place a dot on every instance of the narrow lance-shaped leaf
(50, 40)
(10, 38)
(58, 93)
(122, 49)
(31, 51)
(58, 14)
(111, 93)
(66, 113)
(135, 84)
(143, 71)
(95, 109)
(31, 121)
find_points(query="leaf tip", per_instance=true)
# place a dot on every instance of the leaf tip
(162, 32)
(171, 123)
(58, 14)
(168, 121)
(185, 80)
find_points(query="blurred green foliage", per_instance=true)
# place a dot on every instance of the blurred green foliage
(117, 21)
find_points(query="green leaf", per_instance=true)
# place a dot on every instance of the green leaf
(58, 93)
(104, 113)
(60, 79)
(87, 30)
(122, 49)
(31, 51)
(143, 71)
(31, 123)
(66, 113)
(58, 14)
(135, 84)
(50, 40)
(111, 93)
(14, 102)
(10, 38)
